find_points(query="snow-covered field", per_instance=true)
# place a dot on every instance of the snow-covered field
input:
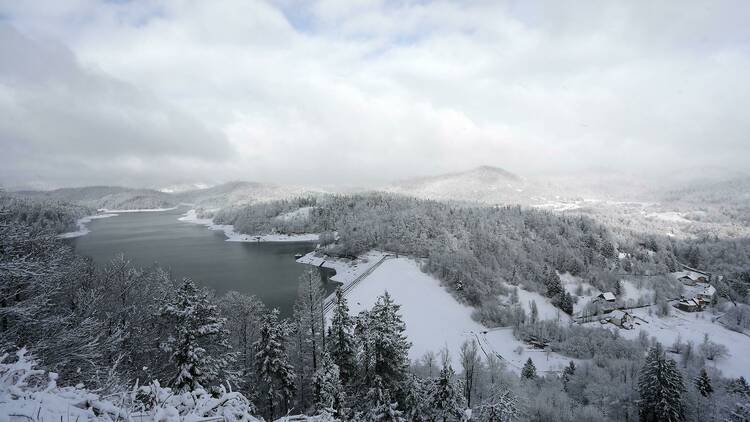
(434, 319)
(82, 228)
(693, 327)
(669, 216)
(232, 236)
(547, 312)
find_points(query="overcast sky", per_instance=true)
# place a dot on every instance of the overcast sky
(153, 93)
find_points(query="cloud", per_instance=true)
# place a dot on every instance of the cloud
(61, 122)
(368, 91)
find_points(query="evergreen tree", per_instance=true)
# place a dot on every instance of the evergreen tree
(552, 282)
(447, 401)
(387, 343)
(529, 370)
(565, 303)
(660, 385)
(272, 365)
(340, 342)
(739, 386)
(197, 342)
(383, 408)
(534, 312)
(329, 394)
(703, 383)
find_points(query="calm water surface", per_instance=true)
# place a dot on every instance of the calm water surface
(267, 270)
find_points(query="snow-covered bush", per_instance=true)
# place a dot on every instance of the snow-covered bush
(28, 393)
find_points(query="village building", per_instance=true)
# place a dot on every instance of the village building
(621, 319)
(607, 297)
(690, 305)
(706, 294)
(691, 278)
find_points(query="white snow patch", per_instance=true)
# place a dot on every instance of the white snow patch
(434, 319)
(347, 270)
(137, 210)
(82, 228)
(570, 284)
(232, 236)
(298, 214)
(547, 311)
(671, 216)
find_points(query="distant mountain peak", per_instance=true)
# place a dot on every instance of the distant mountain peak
(492, 171)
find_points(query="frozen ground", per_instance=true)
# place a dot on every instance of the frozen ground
(692, 326)
(82, 228)
(434, 319)
(232, 236)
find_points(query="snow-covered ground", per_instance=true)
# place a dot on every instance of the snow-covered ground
(547, 311)
(298, 214)
(570, 284)
(82, 228)
(137, 210)
(434, 319)
(670, 216)
(347, 270)
(692, 327)
(232, 236)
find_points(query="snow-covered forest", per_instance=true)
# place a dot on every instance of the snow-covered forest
(130, 343)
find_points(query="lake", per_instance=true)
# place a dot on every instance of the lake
(267, 270)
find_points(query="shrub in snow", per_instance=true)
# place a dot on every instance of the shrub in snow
(33, 394)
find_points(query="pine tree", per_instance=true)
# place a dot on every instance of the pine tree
(565, 302)
(534, 312)
(387, 343)
(447, 401)
(329, 394)
(529, 370)
(340, 342)
(272, 365)
(739, 386)
(552, 282)
(383, 408)
(703, 383)
(197, 342)
(660, 385)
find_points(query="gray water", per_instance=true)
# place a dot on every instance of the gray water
(267, 270)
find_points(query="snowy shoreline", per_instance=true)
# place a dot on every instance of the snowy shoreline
(232, 236)
(106, 210)
(82, 228)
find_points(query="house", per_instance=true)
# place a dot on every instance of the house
(690, 305)
(691, 278)
(621, 319)
(706, 294)
(606, 296)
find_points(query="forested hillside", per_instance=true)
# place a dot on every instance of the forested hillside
(474, 250)
(109, 197)
(124, 343)
(57, 216)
